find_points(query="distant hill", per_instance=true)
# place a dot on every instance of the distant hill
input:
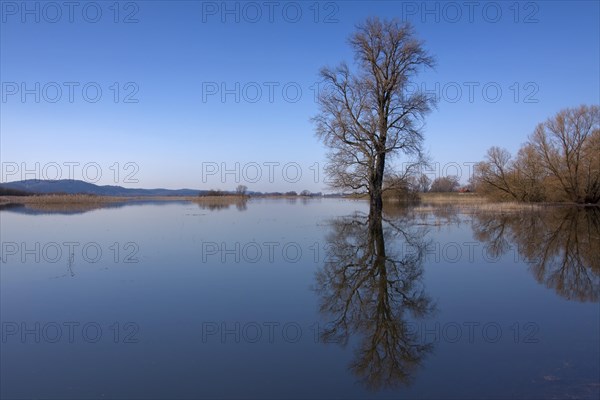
(71, 186)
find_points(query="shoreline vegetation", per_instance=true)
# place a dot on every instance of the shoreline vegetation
(430, 199)
(559, 162)
(81, 202)
(481, 202)
(97, 199)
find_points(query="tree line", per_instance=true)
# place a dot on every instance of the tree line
(559, 162)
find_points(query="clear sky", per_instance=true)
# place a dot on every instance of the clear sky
(190, 88)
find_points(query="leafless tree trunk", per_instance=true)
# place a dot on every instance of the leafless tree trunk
(369, 115)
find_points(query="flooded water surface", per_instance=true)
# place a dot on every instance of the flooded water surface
(299, 299)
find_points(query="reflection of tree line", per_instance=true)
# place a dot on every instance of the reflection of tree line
(371, 284)
(240, 202)
(561, 245)
(223, 203)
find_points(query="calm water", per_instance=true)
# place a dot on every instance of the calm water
(293, 299)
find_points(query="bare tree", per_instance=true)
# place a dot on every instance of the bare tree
(445, 184)
(241, 190)
(423, 183)
(569, 147)
(369, 114)
(530, 176)
(561, 161)
(494, 175)
(521, 179)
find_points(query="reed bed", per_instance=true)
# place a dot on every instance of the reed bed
(60, 199)
(490, 206)
(453, 198)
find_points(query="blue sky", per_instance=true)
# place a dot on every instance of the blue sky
(163, 120)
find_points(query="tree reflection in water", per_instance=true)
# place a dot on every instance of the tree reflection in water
(222, 203)
(369, 286)
(562, 246)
